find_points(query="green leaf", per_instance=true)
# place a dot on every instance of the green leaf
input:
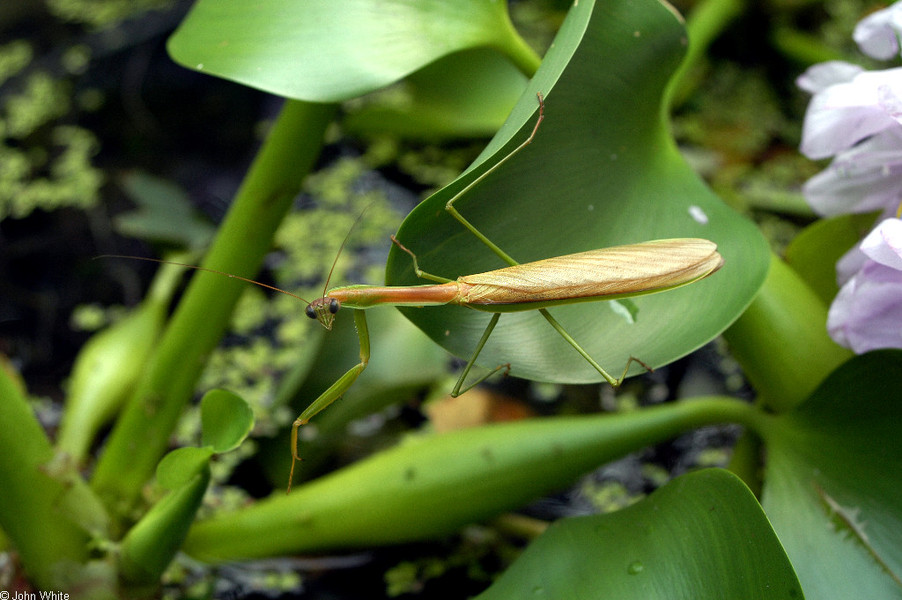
(602, 171)
(701, 536)
(182, 465)
(226, 419)
(466, 94)
(164, 213)
(150, 545)
(325, 51)
(833, 488)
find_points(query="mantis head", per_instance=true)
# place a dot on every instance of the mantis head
(323, 310)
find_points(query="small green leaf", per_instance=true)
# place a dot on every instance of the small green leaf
(164, 213)
(833, 487)
(149, 546)
(701, 536)
(226, 419)
(181, 465)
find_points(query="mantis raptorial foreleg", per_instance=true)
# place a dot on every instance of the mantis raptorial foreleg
(335, 391)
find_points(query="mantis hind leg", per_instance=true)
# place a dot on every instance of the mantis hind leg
(463, 221)
(607, 376)
(334, 392)
(449, 206)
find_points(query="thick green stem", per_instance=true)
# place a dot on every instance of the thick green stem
(803, 48)
(519, 52)
(141, 435)
(781, 340)
(705, 23)
(435, 484)
(47, 516)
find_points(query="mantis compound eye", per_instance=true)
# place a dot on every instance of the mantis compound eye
(311, 312)
(334, 305)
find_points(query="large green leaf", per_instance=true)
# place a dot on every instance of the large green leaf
(701, 536)
(602, 171)
(465, 94)
(834, 482)
(327, 51)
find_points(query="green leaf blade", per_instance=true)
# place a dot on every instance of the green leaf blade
(834, 482)
(602, 171)
(323, 51)
(226, 420)
(701, 536)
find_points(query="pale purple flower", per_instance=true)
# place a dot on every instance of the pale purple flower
(867, 312)
(843, 114)
(865, 178)
(850, 264)
(819, 77)
(884, 244)
(855, 116)
(878, 34)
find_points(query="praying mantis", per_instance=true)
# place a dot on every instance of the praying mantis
(605, 274)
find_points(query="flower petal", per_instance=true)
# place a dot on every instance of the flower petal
(842, 115)
(865, 178)
(850, 264)
(877, 35)
(819, 77)
(867, 312)
(884, 244)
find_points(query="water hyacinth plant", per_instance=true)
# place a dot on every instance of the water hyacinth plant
(166, 474)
